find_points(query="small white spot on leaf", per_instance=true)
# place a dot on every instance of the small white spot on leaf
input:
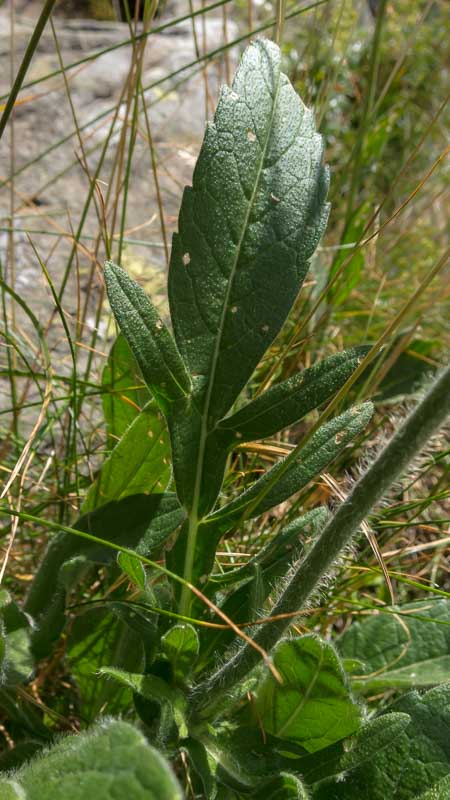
(233, 309)
(274, 198)
(265, 328)
(339, 437)
(159, 324)
(186, 259)
(251, 136)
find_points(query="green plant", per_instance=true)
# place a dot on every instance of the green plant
(269, 715)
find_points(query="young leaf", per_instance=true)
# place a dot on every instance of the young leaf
(312, 706)
(247, 228)
(148, 337)
(124, 394)
(154, 689)
(111, 760)
(140, 462)
(400, 651)
(133, 568)
(415, 762)
(180, 645)
(287, 402)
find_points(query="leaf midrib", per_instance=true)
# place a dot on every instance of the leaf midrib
(193, 516)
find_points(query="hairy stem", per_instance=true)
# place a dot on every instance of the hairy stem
(426, 419)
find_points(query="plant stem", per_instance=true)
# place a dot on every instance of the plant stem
(423, 422)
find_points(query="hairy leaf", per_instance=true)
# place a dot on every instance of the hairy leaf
(282, 787)
(287, 402)
(323, 448)
(413, 764)
(400, 651)
(312, 706)
(279, 547)
(124, 394)
(109, 761)
(16, 659)
(149, 340)
(247, 228)
(140, 462)
(440, 791)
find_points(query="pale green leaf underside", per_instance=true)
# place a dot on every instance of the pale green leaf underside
(110, 761)
(312, 706)
(123, 392)
(140, 462)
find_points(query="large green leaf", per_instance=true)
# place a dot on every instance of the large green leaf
(149, 340)
(110, 761)
(124, 394)
(247, 228)
(417, 761)
(140, 462)
(287, 402)
(403, 650)
(312, 706)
